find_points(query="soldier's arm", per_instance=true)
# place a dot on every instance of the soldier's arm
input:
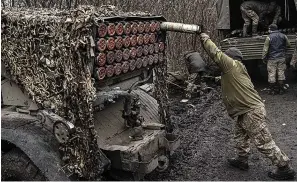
(261, 17)
(224, 62)
(266, 47)
(277, 14)
(287, 42)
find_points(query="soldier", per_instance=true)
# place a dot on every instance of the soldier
(255, 11)
(275, 52)
(294, 58)
(244, 104)
(196, 69)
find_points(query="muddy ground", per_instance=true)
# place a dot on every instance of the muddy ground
(206, 135)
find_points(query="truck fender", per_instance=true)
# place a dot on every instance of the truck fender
(36, 142)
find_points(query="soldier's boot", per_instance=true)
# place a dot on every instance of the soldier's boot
(239, 162)
(137, 133)
(272, 89)
(254, 30)
(245, 30)
(277, 88)
(283, 173)
(281, 86)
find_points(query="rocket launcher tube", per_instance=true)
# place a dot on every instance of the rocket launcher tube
(181, 27)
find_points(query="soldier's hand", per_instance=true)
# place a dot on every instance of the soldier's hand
(204, 37)
(293, 64)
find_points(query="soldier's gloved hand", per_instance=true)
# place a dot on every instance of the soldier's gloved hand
(204, 37)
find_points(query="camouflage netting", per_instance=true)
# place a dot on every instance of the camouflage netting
(47, 53)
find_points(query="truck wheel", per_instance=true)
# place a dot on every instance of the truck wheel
(163, 163)
(16, 166)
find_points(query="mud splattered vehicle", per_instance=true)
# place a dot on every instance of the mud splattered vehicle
(74, 102)
(230, 25)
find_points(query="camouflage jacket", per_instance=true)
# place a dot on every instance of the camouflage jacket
(262, 9)
(238, 92)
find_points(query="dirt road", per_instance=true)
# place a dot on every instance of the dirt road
(206, 134)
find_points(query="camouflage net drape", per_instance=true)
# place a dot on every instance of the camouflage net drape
(161, 93)
(47, 53)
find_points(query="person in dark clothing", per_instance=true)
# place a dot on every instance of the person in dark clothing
(274, 51)
(255, 11)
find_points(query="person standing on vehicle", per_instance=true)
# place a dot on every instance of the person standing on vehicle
(244, 104)
(274, 52)
(255, 11)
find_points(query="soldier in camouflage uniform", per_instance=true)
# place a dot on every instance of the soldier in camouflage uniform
(195, 72)
(244, 104)
(255, 11)
(275, 52)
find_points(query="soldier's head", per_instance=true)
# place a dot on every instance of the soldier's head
(272, 6)
(234, 53)
(272, 27)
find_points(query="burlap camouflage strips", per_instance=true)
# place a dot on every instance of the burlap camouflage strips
(276, 70)
(252, 127)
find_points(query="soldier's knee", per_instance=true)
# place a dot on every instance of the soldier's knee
(263, 139)
(247, 23)
(255, 22)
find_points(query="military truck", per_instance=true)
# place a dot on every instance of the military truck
(123, 53)
(230, 25)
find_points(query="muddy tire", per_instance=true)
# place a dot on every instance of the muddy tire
(16, 166)
(150, 107)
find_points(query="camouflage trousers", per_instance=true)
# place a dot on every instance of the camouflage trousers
(278, 67)
(191, 86)
(249, 16)
(294, 57)
(251, 126)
